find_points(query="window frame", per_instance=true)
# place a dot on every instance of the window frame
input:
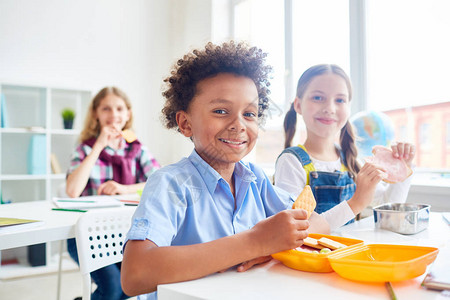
(358, 65)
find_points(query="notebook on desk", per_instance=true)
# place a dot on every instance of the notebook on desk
(13, 224)
(129, 199)
(87, 202)
(438, 277)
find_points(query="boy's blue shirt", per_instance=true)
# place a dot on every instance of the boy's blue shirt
(189, 202)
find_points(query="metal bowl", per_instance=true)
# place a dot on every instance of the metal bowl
(404, 218)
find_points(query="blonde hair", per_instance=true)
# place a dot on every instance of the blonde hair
(347, 136)
(91, 125)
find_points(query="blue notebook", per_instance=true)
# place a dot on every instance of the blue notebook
(4, 115)
(36, 155)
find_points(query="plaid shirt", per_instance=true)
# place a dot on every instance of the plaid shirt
(102, 172)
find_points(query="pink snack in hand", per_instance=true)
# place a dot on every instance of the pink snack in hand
(396, 168)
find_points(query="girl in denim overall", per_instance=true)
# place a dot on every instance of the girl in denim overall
(330, 188)
(342, 187)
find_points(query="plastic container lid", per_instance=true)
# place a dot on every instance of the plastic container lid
(381, 263)
(365, 263)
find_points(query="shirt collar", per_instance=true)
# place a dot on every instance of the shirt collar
(212, 177)
(243, 171)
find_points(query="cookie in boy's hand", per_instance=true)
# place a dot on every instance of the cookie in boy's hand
(129, 135)
(305, 200)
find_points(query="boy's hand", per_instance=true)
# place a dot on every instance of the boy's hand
(405, 151)
(250, 263)
(285, 230)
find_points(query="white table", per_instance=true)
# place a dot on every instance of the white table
(273, 280)
(58, 225)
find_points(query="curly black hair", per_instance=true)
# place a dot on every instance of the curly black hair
(238, 59)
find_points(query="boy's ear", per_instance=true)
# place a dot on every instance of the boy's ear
(297, 106)
(184, 123)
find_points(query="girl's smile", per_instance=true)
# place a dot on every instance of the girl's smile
(326, 121)
(324, 106)
(112, 111)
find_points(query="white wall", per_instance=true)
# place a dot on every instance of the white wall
(194, 23)
(88, 44)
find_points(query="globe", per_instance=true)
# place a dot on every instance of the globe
(372, 128)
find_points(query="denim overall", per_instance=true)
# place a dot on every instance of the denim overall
(329, 188)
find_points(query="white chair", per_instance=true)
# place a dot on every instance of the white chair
(100, 235)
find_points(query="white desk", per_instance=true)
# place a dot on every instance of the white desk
(273, 280)
(58, 225)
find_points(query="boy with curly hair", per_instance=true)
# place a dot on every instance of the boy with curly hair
(211, 211)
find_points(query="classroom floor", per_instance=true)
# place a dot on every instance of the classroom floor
(42, 287)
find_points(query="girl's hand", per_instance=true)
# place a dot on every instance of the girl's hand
(107, 135)
(283, 231)
(369, 176)
(111, 188)
(366, 181)
(318, 224)
(406, 151)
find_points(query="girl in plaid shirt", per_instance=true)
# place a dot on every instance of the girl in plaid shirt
(104, 163)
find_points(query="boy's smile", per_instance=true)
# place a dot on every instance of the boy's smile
(222, 119)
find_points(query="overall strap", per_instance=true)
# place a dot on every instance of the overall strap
(303, 156)
(343, 160)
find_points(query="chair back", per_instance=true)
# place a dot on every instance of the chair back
(100, 235)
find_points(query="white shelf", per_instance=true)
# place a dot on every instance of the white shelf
(23, 269)
(7, 177)
(65, 131)
(40, 130)
(23, 130)
(33, 113)
(32, 118)
(58, 176)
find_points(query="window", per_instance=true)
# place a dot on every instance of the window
(319, 34)
(402, 133)
(403, 61)
(424, 135)
(407, 71)
(261, 23)
(447, 125)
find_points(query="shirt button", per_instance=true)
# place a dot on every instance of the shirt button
(141, 223)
